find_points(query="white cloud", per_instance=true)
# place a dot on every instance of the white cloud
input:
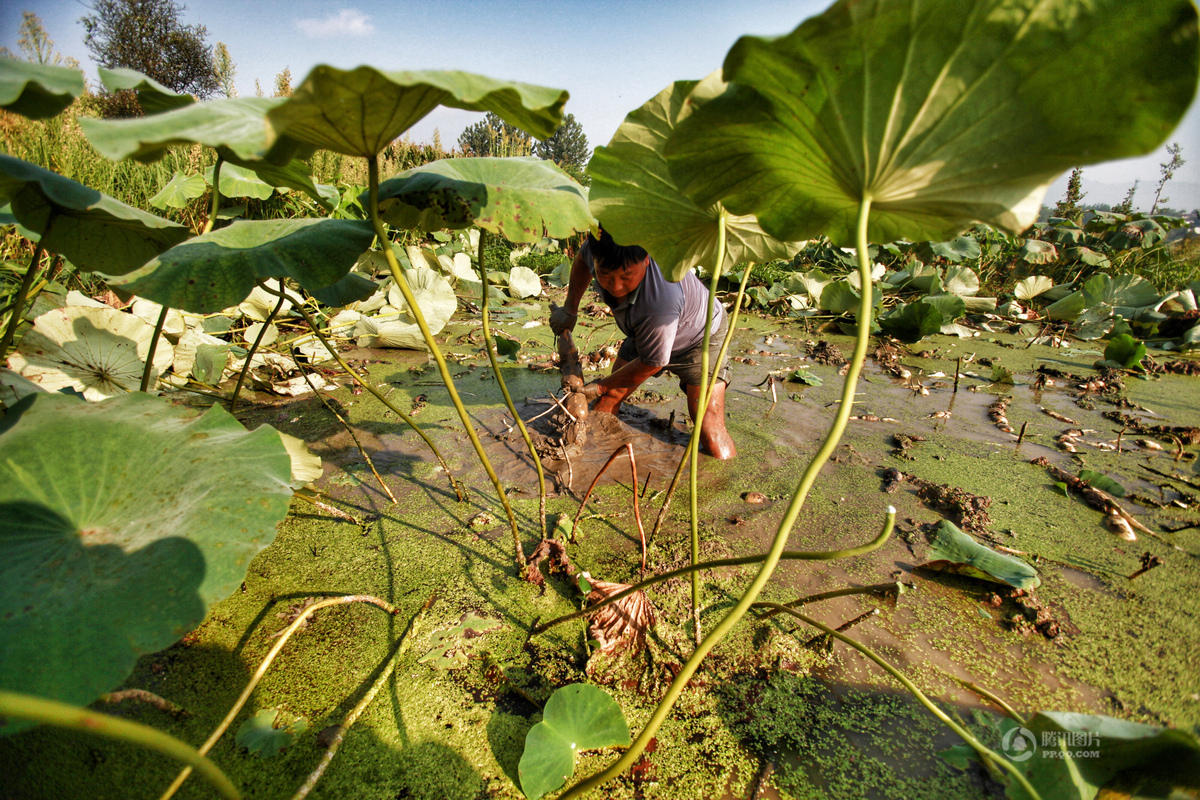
(346, 22)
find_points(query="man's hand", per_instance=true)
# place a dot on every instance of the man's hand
(561, 319)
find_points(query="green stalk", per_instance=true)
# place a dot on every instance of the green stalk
(401, 647)
(787, 555)
(18, 303)
(162, 316)
(415, 310)
(684, 461)
(693, 448)
(254, 347)
(785, 526)
(238, 704)
(488, 345)
(990, 759)
(65, 715)
(312, 324)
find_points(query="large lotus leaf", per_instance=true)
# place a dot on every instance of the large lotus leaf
(954, 551)
(637, 200)
(961, 281)
(37, 91)
(293, 175)
(121, 522)
(219, 269)
(99, 352)
(153, 97)
(1132, 291)
(941, 113)
(839, 297)
(524, 282)
(361, 111)
(951, 306)
(236, 127)
(577, 717)
(91, 230)
(962, 248)
(520, 199)
(179, 191)
(1035, 251)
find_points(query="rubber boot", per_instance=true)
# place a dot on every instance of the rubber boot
(714, 438)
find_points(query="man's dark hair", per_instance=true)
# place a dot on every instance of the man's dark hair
(607, 255)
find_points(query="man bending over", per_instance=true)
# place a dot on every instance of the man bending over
(664, 326)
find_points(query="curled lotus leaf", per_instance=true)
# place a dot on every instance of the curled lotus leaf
(520, 199)
(360, 111)
(395, 327)
(524, 282)
(637, 199)
(219, 269)
(98, 352)
(236, 127)
(37, 91)
(955, 551)
(131, 514)
(91, 230)
(940, 114)
(153, 97)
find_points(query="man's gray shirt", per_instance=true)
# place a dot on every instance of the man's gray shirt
(663, 319)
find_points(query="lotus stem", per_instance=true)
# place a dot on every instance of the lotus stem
(312, 497)
(990, 759)
(637, 514)
(431, 343)
(149, 368)
(65, 715)
(216, 196)
(143, 696)
(238, 704)
(262, 332)
(489, 347)
(785, 526)
(683, 461)
(18, 303)
(986, 695)
(876, 589)
(312, 324)
(788, 555)
(401, 647)
(693, 449)
(353, 436)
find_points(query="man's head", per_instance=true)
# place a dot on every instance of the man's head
(619, 268)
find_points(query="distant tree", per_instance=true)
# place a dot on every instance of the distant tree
(567, 147)
(1069, 207)
(1166, 172)
(258, 90)
(147, 35)
(493, 136)
(1126, 204)
(36, 45)
(437, 140)
(224, 69)
(283, 83)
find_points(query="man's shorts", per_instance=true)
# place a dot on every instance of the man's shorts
(686, 365)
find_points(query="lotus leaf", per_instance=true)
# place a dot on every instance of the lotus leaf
(361, 111)
(99, 352)
(396, 328)
(839, 297)
(270, 731)
(131, 514)
(1035, 251)
(561, 276)
(202, 355)
(149, 311)
(91, 230)
(954, 551)
(520, 199)
(236, 127)
(37, 91)
(1088, 256)
(240, 182)
(259, 304)
(253, 178)
(951, 306)
(940, 116)
(633, 193)
(1125, 350)
(349, 289)
(1068, 308)
(963, 248)
(306, 467)
(1031, 287)
(961, 281)
(450, 646)
(577, 717)
(153, 97)
(913, 321)
(219, 269)
(524, 282)
(179, 191)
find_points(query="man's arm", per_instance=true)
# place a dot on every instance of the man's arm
(622, 383)
(563, 318)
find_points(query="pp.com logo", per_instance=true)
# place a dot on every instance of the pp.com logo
(1018, 744)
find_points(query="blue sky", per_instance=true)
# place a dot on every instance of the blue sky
(611, 56)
